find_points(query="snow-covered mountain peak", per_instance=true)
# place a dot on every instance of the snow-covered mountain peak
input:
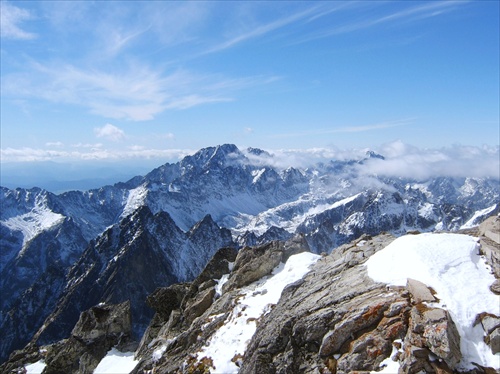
(213, 157)
(372, 154)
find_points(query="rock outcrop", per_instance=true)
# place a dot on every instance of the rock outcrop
(489, 232)
(97, 331)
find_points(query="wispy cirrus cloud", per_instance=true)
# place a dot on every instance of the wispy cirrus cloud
(264, 28)
(349, 129)
(11, 20)
(136, 92)
(410, 14)
(54, 144)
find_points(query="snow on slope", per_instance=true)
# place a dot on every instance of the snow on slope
(288, 215)
(35, 368)
(136, 198)
(449, 263)
(116, 362)
(232, 338)
(39, 219)
(472, 222)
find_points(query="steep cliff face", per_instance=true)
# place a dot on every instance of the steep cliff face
(127, 262)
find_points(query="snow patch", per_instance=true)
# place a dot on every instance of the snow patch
(116, 362)
(426, 211)
(450, 264)
(256, 174)
(39, 219)
(136, 198)
(390, 365)
(36, 368)
(158, 353)
(472, 222)
(220, 283)
(232, 338)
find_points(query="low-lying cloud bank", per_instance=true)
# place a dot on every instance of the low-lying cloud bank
(401, 160)
(406, 161)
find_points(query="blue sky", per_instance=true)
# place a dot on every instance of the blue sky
(111, 80)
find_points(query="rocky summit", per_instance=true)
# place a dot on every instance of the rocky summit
(278, 308)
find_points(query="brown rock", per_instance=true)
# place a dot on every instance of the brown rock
(494, 338)
(200, 304)
(419, 291)
(495, 287)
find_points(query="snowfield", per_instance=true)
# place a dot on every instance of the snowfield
(450, 264)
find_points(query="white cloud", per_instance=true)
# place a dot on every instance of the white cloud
(403, 160)
(134, 92)
(189, 101)
(136, 147)
(87, 145)
(11, 18)
(54, 144)
(303, 158)
(28, 154)
(110, 132)
(264, 28)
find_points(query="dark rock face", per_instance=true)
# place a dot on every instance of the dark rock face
(32, 282)
(253, 263)
(97, 331)
(128, 262)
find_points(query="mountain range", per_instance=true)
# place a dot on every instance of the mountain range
(62, 254)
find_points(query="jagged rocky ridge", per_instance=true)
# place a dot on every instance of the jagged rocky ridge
(335, 319)
(126, 263)
(44, 235)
